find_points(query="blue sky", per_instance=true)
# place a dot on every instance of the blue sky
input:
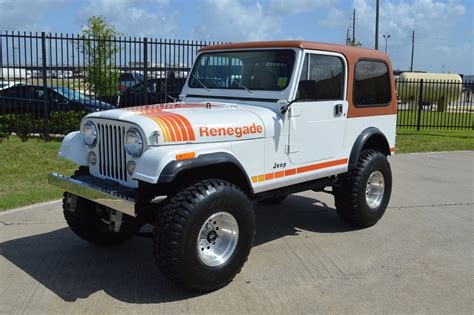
(444, 28)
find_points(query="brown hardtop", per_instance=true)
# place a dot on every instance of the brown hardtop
(351, 52)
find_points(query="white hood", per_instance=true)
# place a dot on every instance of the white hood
(197, 123)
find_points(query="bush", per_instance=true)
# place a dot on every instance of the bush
(23, 125)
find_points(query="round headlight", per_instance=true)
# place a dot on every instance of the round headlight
(133, 142)
(89, 133)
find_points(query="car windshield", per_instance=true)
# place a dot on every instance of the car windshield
(244, 70)
(69, 93)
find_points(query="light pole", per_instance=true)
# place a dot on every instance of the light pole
(386, 36)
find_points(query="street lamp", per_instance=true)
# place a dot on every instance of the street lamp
(386, 37)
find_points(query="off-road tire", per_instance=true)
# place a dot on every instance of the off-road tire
(272, 200)
(350, 193)
(178, 227)
(84, 220)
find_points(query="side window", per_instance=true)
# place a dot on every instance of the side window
(21, 92)
(371, 84)
(38, 93)
(322, 78)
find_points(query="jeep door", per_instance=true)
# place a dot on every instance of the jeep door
(318, 116)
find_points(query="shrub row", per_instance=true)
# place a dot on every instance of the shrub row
(23, 125)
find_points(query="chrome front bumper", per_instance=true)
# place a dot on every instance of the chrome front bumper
(91, 189)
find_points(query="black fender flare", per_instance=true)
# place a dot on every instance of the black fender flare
(362, 140)
(173, 168)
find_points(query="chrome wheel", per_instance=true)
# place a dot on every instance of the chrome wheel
(217, 239)
(375, 189)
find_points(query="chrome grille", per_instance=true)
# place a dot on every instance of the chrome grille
(111, 152)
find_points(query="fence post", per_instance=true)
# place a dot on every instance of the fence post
(420, 105)
(145, 69)
(45, 86)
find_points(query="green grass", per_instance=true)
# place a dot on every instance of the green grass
(25, 165)
(23, 170)
(410, 140)
(432, 118)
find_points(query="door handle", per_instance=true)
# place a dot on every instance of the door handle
(337, 110)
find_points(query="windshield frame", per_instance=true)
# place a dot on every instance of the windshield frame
(288, 84)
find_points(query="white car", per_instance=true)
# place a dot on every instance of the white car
(256, 122)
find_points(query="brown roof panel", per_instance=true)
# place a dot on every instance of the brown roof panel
(348, 51)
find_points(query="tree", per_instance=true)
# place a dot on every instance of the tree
(99, 49)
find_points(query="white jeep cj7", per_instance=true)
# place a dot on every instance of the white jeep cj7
(255, 122)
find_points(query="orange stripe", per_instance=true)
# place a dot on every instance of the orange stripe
(320, 166)
(174, 126)
(166, 135)
(165, 120)
(290, 172)
(392, 150)
(269, 176)
(279, 174)
(182, 127)
(298, 170)
(189, 128)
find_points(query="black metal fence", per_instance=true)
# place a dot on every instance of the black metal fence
(435, 104)
(48, 82)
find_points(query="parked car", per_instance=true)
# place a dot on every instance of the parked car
(128, 79)
(157, 91)
(30, 99)
(256, 121)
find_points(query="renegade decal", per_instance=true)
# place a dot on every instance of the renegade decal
(298, 170)
(175, 127)
(230, 131)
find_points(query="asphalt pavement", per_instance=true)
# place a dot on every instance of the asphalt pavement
(418, 258)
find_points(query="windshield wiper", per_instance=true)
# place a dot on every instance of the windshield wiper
(200, 82)
(242, 86)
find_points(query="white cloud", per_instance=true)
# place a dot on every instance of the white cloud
(285, 7)
(134, 17)
(230, 20)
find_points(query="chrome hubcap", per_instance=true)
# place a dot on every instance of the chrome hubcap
(217, 239)
(375, 189)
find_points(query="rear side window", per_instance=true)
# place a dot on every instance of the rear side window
(321, 78)
(371, 84)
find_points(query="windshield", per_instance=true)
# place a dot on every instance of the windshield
(69, 93)
(244, 70)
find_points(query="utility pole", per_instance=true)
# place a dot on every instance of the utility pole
(348, 39)
(353, 26)
(412, 49)
(377, 26)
